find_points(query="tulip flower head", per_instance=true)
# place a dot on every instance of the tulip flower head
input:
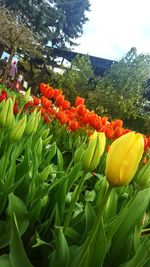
(123, 158)
(94, 151)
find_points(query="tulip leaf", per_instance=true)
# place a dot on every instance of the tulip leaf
(60, 257)
(140, 258)
(11, 175)
(17, 206)
(73, 175)
(72, 235)
(61, 194)
(137, 241)
(59, 163)
(111, 208)
(5, 232)
(89, 219)
(5, 261)
(50, 154)
(17, 253)
(10, 189)
(23, 166)
(90, 195)
(98, 249)
(35, 210)
(129, 221)
(75, 253)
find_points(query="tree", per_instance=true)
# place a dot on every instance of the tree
(14, 35)
(120, 93)
(77, 79)
(58, 21)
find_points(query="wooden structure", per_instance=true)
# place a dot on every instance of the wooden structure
(99, 65)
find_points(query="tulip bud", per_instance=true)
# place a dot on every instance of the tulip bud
(30, 126)
(47, 140)
(94, 151)
(45, 134)
(44, 201)
(27, 95)
(18, 130)
(45, 173)
(143, 177)
(3, 113)
(36, 123)
(38, 147)
(123, 158)
(10, 115)
(2, 104)
(6, 113)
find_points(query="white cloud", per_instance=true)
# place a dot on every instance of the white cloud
(115, 26)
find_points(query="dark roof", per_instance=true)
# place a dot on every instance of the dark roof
(99, 65)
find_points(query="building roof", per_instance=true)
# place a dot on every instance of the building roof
(99, 65)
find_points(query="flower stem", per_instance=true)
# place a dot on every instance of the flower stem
(91, 237)
(74, 200)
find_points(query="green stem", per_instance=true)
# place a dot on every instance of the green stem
(1, 136)
(69, 166)
(95, 227)
(75, 198)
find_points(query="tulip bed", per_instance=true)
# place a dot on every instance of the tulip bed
(74, 186)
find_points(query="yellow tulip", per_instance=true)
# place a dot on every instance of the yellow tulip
(94, 151)
(123, 158)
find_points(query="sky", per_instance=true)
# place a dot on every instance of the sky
(114, 27)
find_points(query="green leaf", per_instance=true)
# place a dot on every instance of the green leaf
(73, 175)
(5, 261)
(72, 235)
(75, 252)
(50, 153)
(35, 210)
(10, 189)
(61, 195)
(137, 238)
(99, 249)
(111, 206)
(141, 257)
(90, 195)
(5, 232)
(17, 253)
(60, 256)
(17, 206)
(59, 162)
(95, 255)
(129, 221)
(23, 167)
(10, 178)
(39, 241)
(89, 219)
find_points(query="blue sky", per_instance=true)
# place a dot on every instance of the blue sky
(114, 27)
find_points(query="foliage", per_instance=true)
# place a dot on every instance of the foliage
(16, 36)
(59, 22)
(77, 80)
(120, 93)
(53, 211)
